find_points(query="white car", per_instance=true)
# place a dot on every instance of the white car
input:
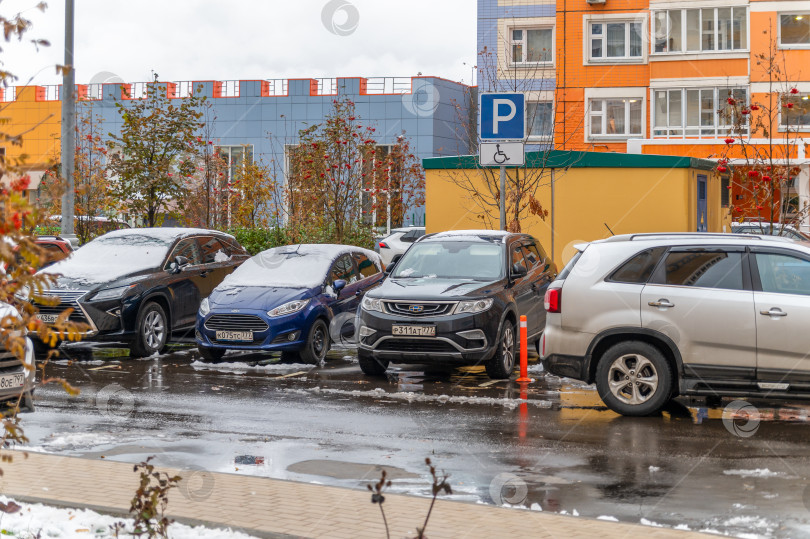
(398, 242)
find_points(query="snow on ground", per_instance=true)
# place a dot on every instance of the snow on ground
(241, 368)
(421, 397)
(759, 472)
(37, 520)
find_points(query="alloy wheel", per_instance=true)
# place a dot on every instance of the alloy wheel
(508, 347)
(153, 330)
(632, 379)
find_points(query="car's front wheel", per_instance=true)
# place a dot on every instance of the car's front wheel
(152, 331)
(503, 362)
(314, 351)
(371, 366)
(634, 379)
(211, 355)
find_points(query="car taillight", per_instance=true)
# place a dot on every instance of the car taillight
(553, 300)
(383, 245)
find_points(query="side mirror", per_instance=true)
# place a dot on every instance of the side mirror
(338, 285)
(519, 270)
(392, 265)
(178, 264)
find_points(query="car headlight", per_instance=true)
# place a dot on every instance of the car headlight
(472, 307)
(112, 293)
(373, 304)
(288, 308)
(205, 307)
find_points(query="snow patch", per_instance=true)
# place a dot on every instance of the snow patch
(241, 368)
(645, 522)
(536, 507)
(654, 469)
(38, 520)
(759, 472)
(608, 518)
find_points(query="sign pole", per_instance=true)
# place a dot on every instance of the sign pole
(503, 198)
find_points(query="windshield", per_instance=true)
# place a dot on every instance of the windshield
(283, 267)
(452, 260)
(108, 257)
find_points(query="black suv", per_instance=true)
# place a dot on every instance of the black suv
(140, 285)
(455, 298)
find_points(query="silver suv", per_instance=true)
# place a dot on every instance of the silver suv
(651, 316)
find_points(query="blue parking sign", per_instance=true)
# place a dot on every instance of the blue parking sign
(502, 116)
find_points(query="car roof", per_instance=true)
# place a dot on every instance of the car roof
(692, 238)
(165, 233)
(498, 236)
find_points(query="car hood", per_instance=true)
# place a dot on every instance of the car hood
(256, 297)
(432, 288)
(88, 282)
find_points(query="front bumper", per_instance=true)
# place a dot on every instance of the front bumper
(10, 370)
(446, 347)
(283, 334)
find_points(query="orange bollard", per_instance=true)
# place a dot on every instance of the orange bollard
(524, 351)
(524, 410)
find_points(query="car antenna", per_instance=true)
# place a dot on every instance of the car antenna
(609, 230)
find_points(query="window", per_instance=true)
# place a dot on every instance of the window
(235, 156)
(794, 29)
(188, 248)
(615, 117)
(705, 269)
(412, 235)
(795, 111)
(540, 119)
(211, 250)
(694, 111)
(517, 257)
(616, 40)
(725, 190)
(343, 268)
(783, 274)
(638, 269)
(700, 30)
(532, 45)
(366, 267)
(531, 256)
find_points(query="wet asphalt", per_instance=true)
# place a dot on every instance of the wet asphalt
(557, 450)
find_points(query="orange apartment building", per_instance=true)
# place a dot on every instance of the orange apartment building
(654, 76)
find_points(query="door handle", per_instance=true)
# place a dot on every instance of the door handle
(204, 273)
(661, 303)
(774, 311)
(358, 293)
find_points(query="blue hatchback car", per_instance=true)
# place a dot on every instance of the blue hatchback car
(284, 299)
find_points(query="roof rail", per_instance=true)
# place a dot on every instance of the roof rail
(650, 235)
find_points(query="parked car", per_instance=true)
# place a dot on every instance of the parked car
(56, 248)
(397, 242)
(140, 285)
(650, 316)
(454, 298)
(772, 229)
(16, 377)
(284, 299)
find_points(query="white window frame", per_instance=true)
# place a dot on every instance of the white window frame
(610, 94)
(625, 18)
(804, 95)
(511, 42)
(718, 129)
(539, 138)
(602, 113)
(789, 46)
(684, 35)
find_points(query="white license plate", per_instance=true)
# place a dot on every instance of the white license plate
(12, 381)
(49, 318)
(418, 331)
(234, 335)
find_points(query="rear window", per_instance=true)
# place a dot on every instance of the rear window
(705, 269)
(637, 270)
(570, 266)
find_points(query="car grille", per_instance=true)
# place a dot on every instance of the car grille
(236, 322)
(415, 345)
(417, 310)
(9, 362)
(67, 298)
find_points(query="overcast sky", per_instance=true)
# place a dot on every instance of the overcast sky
(248, 39)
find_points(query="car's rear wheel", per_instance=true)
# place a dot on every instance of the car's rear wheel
(152, 331)
(634, 379)
(371, 366)
(503, 362)
(211, 355)
(317, 345)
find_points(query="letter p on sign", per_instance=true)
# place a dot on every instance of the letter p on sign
(502, 116)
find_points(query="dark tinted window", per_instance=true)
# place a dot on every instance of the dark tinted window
(783, 274)
(570, 266)
(187, 248)
(639, 268)
(232, 247)
(211, 250)
(343, 268)
(518, 258)
(712, 269)
(412, 235)
(365, 266)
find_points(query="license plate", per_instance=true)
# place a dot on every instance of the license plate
(49, 318)
(12, 381)
(417, 331)
(234, 335)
